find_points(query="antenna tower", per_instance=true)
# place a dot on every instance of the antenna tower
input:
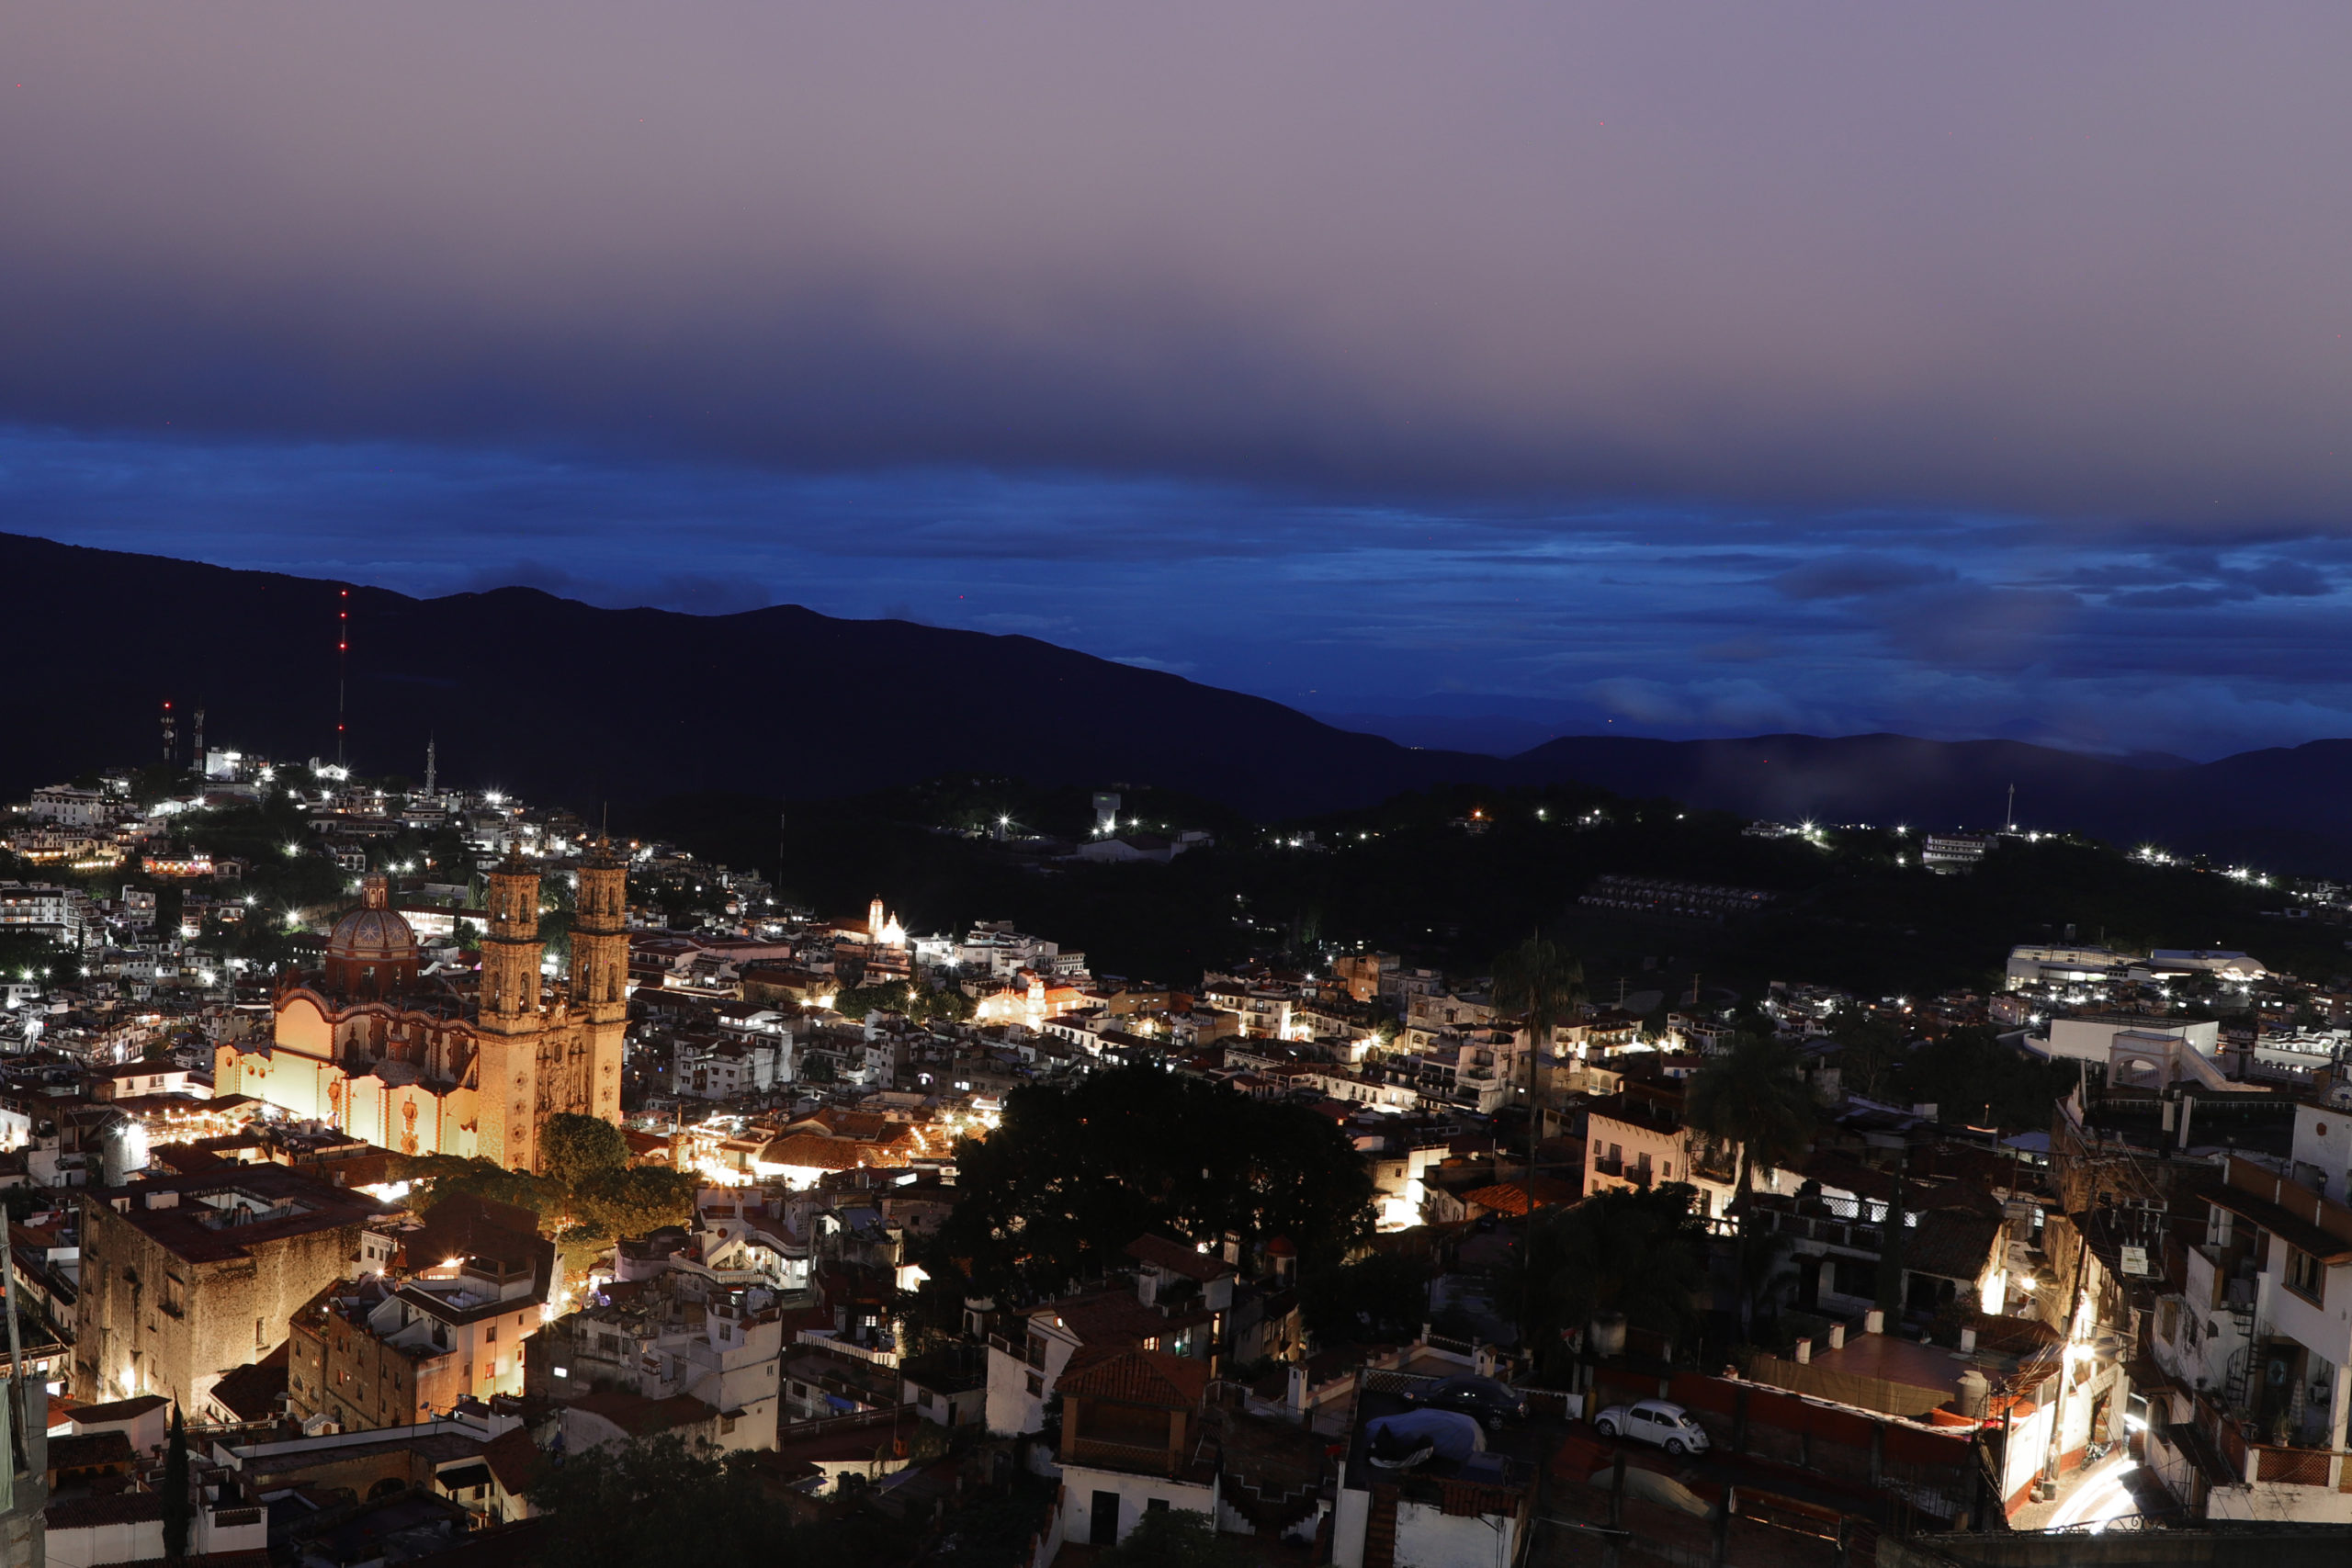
(428, 765)
(342, 663)
(171, 733)
(2009, 818)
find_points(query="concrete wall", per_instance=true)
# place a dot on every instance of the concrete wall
(1134, 1492)
(1429, 1536)
(1351, 1521)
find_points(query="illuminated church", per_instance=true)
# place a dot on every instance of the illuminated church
(423, 1066)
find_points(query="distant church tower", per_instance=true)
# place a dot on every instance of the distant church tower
(509, 1021)
(600, 975)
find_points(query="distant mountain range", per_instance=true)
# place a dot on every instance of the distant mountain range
(563, 701)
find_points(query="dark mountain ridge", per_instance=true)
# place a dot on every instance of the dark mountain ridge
(564, 700)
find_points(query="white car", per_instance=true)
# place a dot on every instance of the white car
(1670, 1427)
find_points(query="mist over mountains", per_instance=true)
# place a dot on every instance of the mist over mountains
(564, 700)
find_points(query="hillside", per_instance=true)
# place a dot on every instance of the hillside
(564, 700)
(2278, 809)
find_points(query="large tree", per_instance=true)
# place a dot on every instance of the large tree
(1754, 1095)
(1969, 1075)
(658, 1501)
(578, 1149)
(1177, 1537)
(1639, 1251)
(1073, 1174)
(1544, 983)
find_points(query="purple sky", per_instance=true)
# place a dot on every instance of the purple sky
(1973, 371)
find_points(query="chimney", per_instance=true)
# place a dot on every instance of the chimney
(1874, 1322)
(1804, 1352)
(1968, 1342)
(1837, 1337)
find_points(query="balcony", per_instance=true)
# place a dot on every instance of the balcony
(2270, 1466)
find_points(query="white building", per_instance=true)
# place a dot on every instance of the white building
(2261, 1346)
(2060, 965)
(2092, 1038)
(71, 808)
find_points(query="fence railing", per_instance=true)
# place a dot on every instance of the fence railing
(2290, 1467)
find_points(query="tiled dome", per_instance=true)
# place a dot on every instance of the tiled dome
(372, 936)
(372, 950)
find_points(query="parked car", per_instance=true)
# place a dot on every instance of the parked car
(1670, 1427)
(1481, 1398)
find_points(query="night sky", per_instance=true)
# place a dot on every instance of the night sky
(1671, 370)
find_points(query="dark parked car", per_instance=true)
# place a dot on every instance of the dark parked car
(1481, 1398)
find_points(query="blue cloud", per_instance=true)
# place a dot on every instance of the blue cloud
(1678, 621)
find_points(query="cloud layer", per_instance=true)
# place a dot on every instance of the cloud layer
(1653, 620)
(2078, 260)
(1981, 370)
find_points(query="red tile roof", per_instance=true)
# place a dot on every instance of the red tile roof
(1140, 1377)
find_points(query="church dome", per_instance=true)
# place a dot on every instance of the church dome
(372, 949)
(367, 935)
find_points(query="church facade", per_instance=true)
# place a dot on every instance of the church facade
(425, 1067)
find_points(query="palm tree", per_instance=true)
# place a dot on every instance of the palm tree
(1764, 1262)
(1539, 980)
(1753, 1095)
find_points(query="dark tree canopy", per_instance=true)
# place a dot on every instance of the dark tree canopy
(656, 1501)
(633, 1202)
(1968, 1075)
(1177, 1537)
(1074, 1174)
(579, 1150)
(585, 1187)
(1637, 1251)
(1754, 1097)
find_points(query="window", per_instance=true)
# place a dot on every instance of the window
(1037, 1386)
(490, 1337)
(2306, 1275)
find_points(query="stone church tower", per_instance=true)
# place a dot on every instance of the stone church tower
(510, 1025)
(600, 975)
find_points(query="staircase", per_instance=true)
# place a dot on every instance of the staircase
(1380, 1529)
(2239, 1301)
